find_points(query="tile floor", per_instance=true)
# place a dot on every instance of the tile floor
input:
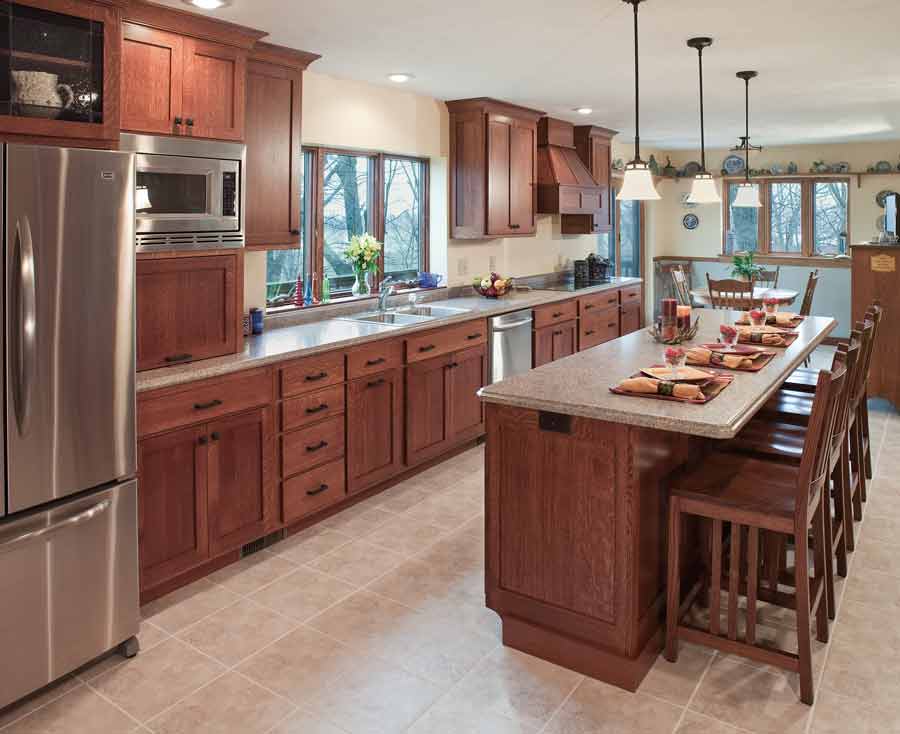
(374, 622)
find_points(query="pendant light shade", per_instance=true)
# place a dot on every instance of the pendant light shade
(748, 193)
(747, 196)
(703, 190)
(638, 184)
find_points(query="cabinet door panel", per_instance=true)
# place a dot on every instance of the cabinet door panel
(214, 90)
(172, 469)
(374, 429)
(565, 338)
(186, 309)
(542, 346)
(466, 375)
(498, 175)
(521, 179)
(152, 73)
(274, 159)
(240, 496)
(426, 406)
(631, 317)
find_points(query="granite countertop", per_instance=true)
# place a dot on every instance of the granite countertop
(301, 340)
(579, 385)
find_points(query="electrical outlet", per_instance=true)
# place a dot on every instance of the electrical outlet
(492, 263)
(462, 266)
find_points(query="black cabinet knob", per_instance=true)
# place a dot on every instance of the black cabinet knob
(178, 121)
(295, 232)
(189, 122)
(203, 440)
(215, 436)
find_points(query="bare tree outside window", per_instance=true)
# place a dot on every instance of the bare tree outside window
(744, 232)
(785, 217)
(345, 185)
(403, 221)
(830, 217)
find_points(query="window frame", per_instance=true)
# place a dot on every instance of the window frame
(764, 232)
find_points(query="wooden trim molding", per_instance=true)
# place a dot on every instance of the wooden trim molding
(283, 56)
(801, 261)
(186, 23)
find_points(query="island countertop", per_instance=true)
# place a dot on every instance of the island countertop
(579, 385)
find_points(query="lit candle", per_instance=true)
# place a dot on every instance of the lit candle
(684, 317)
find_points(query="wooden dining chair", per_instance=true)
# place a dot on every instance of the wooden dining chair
(682, 290)
(769, 278)
(734, 295)
(874, 314)
(809, 293)
(751, 495)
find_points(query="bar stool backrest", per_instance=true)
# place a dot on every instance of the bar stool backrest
(734, 295)
(848, 355)
(866, 331)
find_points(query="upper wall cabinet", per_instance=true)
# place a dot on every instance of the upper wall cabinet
(274, 156)
(493, 155)
(184, 74)
(594, 146)
(60, 75)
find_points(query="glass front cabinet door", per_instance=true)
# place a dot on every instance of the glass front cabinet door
(60, 63)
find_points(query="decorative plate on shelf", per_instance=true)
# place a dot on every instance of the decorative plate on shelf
(733, 165)
(883, 167)
(691, 169)
(882, 195)
(690, 221)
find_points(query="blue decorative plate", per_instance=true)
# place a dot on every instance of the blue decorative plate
(690, 221)
(733, 165)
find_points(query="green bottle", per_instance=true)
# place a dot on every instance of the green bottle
(326, 290)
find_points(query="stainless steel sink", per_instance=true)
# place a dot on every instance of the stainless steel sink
(435, 312)
(393, 318)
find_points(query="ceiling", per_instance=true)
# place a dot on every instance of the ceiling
(828, 69)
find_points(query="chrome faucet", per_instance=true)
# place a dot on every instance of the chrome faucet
(387, 290)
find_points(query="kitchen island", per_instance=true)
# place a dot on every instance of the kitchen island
(576, 485)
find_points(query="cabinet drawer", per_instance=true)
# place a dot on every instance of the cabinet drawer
(201, 401)
(443, 341)
(372, 358)
(316, 489)
(632, 293)
(597, 302)
(311, 446)
(312, 373)
(598, 327)
(312, 407)
(555, 313)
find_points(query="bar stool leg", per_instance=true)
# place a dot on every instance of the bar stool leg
(847, 499)
(864, 417)
(820, 573)
(801, 597)
(673, 586)
(840, 516)
(827, 551)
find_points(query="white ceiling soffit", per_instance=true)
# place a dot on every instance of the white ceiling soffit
(828, 68)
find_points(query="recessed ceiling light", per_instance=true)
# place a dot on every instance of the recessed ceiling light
(400, 78)
(583, 110)
(207, 4)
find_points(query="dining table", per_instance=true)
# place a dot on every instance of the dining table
(785, 296)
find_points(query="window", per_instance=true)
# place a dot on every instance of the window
(799, 217)
(345, 213)
(623, 246)
(404, 222)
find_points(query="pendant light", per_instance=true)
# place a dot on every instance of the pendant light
(748, 193)
(638, 184)
(703, 190)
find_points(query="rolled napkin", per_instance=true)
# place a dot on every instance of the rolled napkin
(745, 336)
(703, 356)
(650, 386)
(783, 319)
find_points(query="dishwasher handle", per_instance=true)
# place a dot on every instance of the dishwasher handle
(513, 325)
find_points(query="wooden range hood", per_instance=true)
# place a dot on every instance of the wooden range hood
(565, 185)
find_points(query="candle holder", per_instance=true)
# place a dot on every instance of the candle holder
(682, 335)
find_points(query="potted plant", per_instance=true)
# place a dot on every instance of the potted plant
(362, 254)
(743, 267)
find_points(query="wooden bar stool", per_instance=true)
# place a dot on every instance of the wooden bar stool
(759, 495)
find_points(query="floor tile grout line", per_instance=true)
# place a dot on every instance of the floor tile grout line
(696, 690)
(112, 703)
(562, 704)
(45, 704)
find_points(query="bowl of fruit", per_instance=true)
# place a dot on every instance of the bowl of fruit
(492, 286)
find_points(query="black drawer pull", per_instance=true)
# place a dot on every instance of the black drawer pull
(558, 333)
(295, 232)
(215, 436)
(314, 492)
(320, 445)
(373, 362)
(588, 307)
(515, 226)
(612, 326)
(179, 358)
(314, 378)
(427, 348)
(319, 409)
(207, 406)
(453, 365)
(474, 336)
(203, 440)
(375, 383)
(589, 333)
(557, 314)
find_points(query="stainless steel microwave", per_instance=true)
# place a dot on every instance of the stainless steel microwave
(189, 193)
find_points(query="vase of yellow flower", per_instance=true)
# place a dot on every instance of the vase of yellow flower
(362, 254)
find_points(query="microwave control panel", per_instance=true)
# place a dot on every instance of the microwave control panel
(229, 194)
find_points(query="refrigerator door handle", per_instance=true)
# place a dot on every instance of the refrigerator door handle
(76, 519)
(23, 371)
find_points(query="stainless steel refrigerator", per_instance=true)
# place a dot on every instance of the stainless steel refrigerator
(68, 505)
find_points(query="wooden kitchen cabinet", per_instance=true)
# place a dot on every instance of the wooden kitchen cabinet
(215, 76)
(594, 146)
(630, 318)
(442, 405)
(240, 492)
(374, 429)
(554, 342)
(152, 78)
(274, 156)
(493, 168)
(172, 508)
(188, 308)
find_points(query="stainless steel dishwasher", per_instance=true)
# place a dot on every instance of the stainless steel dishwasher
(510, 344)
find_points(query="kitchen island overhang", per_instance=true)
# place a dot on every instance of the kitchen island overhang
(576, 482)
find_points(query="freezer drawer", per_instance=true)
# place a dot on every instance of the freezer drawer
(68, 587)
